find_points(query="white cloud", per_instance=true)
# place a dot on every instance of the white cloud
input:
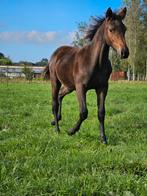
(30, 37)
(41, 37)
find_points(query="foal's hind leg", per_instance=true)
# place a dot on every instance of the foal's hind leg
(81, 95)
(63, 91)
(55, 105)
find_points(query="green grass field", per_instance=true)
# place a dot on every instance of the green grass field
(37, 161)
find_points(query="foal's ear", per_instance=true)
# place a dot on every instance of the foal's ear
(122, 13)
(109, 13)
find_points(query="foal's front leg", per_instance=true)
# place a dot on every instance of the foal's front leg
(81, 95)
(101, 95)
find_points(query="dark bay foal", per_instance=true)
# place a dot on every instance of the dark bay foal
(81, 69)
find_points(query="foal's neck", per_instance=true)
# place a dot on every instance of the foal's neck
(100, 49)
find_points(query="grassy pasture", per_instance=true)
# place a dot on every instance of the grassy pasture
(37, 161)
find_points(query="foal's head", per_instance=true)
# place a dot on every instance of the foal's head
(115, 32)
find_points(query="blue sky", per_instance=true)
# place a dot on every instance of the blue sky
(32, 29)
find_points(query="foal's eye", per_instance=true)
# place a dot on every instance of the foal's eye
(111, 30)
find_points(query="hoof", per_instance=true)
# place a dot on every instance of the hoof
(103, 141)
(71, 132)
(53, 123)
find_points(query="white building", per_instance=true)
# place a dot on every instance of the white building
(12, 71)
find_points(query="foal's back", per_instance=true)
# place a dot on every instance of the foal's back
(62, 65)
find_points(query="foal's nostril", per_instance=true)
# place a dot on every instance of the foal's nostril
(127, 52)
(124, 53)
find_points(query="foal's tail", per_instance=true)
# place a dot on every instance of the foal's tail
(46, 73)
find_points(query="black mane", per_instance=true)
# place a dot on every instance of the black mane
(93, 27)
(95, 24)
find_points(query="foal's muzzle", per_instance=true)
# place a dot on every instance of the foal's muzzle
(124, 53)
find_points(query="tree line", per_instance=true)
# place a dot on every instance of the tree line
(136, 36)
(4, 60)
(7, 61)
